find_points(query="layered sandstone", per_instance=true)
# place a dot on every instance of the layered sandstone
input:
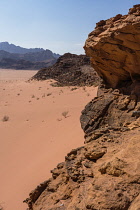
(114, 48)
(104, 174)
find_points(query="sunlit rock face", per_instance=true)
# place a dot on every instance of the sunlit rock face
(104, 174)
(114, 48)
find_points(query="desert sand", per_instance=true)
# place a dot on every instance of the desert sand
(37, 135)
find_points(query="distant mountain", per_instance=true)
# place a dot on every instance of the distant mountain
(56, 55)
(4, 54)
(43, 56)
(16, 57)
(11, 48)
(8, 63)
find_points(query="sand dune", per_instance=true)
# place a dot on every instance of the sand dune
(36, 136)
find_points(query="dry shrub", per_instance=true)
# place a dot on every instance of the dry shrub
(65, 114)
(74, 88)
(49, 94)
(5, 118)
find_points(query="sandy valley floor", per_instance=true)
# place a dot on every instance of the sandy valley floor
(36, 135)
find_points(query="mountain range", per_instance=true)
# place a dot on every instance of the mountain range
(15, 57)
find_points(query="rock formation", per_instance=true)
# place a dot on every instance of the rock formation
(114, 48)
(104, 174)
(70, 69)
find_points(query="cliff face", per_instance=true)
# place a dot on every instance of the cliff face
(104, 174)
(114, 48)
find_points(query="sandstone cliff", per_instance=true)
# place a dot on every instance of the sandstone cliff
(114, 48)
(105, 173)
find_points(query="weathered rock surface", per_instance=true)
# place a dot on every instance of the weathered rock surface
(107, 114)
(70, 69)
(114, 48)
(104, 174)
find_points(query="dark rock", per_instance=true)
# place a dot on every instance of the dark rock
(70, 69)
(107, 113)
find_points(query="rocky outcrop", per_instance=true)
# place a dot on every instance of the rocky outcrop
(70, 69)
(110, 112)
(104, 174)
(114, 48)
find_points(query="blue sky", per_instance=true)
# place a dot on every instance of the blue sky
(59, 25)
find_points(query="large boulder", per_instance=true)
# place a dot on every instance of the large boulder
(114, 48)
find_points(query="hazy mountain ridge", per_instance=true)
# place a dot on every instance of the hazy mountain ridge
(42, 56)
(17, 49)
(35, 58)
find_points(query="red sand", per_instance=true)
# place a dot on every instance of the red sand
(37, 136)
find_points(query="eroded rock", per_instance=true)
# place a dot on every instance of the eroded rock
(104, 174)
(70, 69)
(114, 48)
(94, 151)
